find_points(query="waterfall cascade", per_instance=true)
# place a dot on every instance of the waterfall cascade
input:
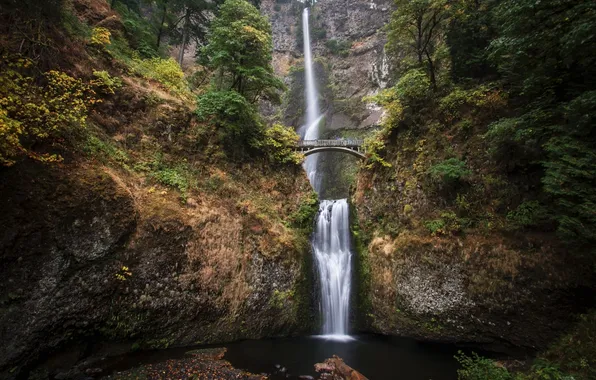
(331, 241)
(331, 244)
(310, 130)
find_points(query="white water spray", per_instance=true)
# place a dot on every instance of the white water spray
(331, 240)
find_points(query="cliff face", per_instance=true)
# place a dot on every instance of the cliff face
(348, 43)
(90, 255)
(142, 238)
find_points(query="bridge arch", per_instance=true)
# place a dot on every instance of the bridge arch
(340, 149)
(349, 146)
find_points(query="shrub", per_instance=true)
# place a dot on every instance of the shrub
(447, 224)
(236, 119)
(31, 113)
(373, 146)
(413, 87)
(105, 83)
(527, 214)
(486, 96)
(304, 216)
(100, 36)
(478, 368)
(338, 47)
(278, 143)
(449, 172)
(165, 71)
(394, 109)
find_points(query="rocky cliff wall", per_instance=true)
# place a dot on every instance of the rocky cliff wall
(349, 41)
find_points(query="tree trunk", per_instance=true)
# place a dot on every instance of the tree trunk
(419, 49)
(163, 20)
(431, 69)
(184, 37)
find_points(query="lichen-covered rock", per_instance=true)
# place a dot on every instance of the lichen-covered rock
(492, 290)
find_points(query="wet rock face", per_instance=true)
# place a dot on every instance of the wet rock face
(86, 259)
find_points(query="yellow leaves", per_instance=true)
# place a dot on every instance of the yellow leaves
(31, 112)
(100, 36)
(255, 34)
(123, 273)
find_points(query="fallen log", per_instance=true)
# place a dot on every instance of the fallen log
(335, 369)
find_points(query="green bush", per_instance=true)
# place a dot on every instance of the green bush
(413, 87)
(449, 172)
(527, 214)
(236, 119)
(278, 143)
(338, 47)
(165, 71)
(304, 216)
(478, 368)
(106, 83)
(374, 146)
(448, 224)
(139, 31)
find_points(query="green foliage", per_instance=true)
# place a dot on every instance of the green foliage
(304, 216)
(413, 87)
(104, 150)
(478, 368)
(279, 299)
(570, 176)
(338, 47)
(279, 143)
(240, 50)
(165, 71)
(140, 33)
(486, 97)
(417, 28)
(449, 172)
(236, 119)
(393, 106)
(374, 146)
(540, 50)
(447, 224)
(177, 175)
(105, 83)
(527, 214)
(32, 113)
(468, 37)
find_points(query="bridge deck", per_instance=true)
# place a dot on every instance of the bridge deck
(347, 143)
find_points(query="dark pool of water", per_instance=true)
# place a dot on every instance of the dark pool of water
(376, 357)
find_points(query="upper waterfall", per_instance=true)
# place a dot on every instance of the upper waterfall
(310, 129)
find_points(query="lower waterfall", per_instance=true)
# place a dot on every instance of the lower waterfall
(331, 245)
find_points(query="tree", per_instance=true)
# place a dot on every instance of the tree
(240, 49)
(544, 54)
(194, 21)
(418, 27)
(468, 37)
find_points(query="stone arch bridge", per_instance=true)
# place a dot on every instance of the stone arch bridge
(349, 146)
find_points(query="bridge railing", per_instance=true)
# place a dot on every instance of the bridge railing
(350, 143)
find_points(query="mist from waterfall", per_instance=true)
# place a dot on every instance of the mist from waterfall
(331, 240)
